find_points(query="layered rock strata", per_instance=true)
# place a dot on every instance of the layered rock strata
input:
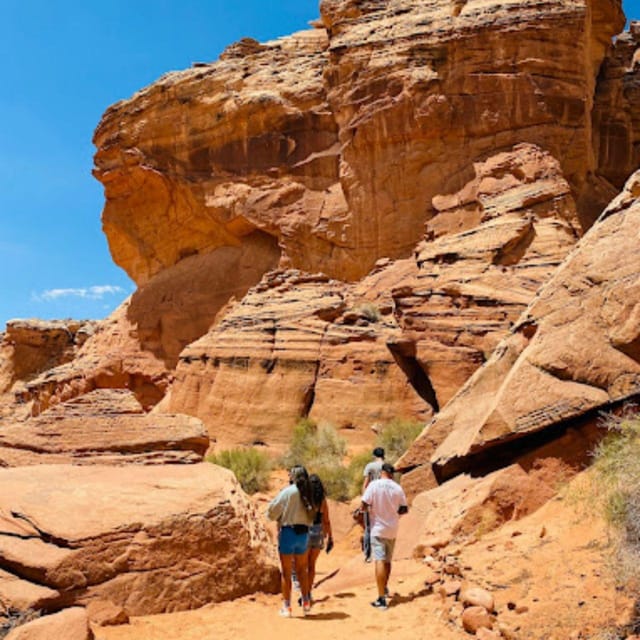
(400, 342)
(297, 345)
(323, 151)
(112, 358)
(105, 426)
(149, 539)
(574, 350)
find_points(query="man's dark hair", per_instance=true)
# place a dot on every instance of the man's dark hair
(378, 452)
(388, 468)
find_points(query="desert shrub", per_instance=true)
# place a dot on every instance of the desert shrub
(250, 466)
(315, 446)
(321, 450)
(369, 311)
(615, 491)
(356, 469)
(396, 437)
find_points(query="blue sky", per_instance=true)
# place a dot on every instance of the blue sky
(62, 64)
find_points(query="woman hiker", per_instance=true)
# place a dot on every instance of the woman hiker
(294, 510)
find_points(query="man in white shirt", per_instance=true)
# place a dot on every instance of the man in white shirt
(384, 501)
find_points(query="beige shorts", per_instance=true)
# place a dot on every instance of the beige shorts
(382, 548)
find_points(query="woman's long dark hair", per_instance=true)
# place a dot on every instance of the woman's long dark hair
(318, 493)
(300, 478)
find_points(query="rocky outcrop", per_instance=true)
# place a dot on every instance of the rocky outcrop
(486, 252)
(616, 115)
(255, 151)
(324, 151)
(112, 358)
(105, 426)
(297, 345)
(574, 350)
(29, 347)
(421, 91)
(149, 539)
(400, 342)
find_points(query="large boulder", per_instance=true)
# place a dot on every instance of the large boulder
(149, 539)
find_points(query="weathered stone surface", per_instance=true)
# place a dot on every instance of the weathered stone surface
(256, 150)
(111, 359)
(575, 349)
(489, 248)
(297, 345)
(421, 90)
(616, 113)
(70, 624)
(105, 426)
(464, 508)
(29, 347)
(149, 539)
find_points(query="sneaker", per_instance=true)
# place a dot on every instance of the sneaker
(285, 612)
(306, 608)
(380, 603)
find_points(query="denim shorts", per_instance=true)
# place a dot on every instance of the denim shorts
(382, 548)
(292, 543)
(316, 537)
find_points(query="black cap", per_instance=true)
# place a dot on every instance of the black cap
(388, 468)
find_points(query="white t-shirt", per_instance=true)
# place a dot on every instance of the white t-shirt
(384, 496)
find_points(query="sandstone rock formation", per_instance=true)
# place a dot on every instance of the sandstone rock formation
(30, 347)
(323, 151)
(574, 350)
(149, 539)
(297, 345)
(70, 624)
(105, 426)
(400, 342)
(112, 358)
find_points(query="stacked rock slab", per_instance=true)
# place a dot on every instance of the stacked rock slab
(575, 350)
(149, 539)
(105, 426)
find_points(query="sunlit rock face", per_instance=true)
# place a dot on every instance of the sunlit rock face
(422, 89)
(574, 350)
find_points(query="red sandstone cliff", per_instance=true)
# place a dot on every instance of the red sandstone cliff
(394, 214)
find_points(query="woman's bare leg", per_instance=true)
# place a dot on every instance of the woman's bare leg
(313, 558)
(302, 571)
(286, 562)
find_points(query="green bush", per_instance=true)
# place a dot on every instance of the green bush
(314, 446)
(321, 450)
(250, 466)
(396, 437)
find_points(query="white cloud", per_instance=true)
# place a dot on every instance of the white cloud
(97, 292)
